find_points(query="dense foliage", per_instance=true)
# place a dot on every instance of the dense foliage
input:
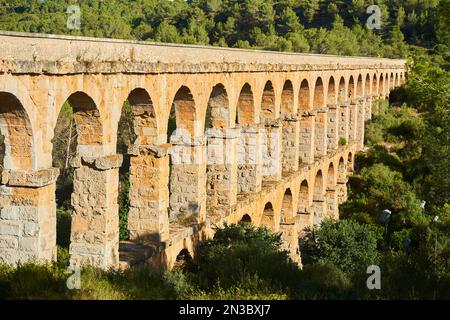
(321, 26)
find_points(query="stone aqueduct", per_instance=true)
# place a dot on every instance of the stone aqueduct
(271, 153)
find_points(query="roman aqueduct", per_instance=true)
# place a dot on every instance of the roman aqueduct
(260, 136)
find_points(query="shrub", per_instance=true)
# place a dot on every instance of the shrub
(324, 280)
(246, 251)
(350, 246)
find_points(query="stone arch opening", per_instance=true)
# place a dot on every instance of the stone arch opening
(138, 110)
(331, 193)
(221, 169)
(304, 98)
(77, 128)
(289, 235)
(397, 83)
(319, 203)
(318, 184)
(28, 217)
(77, 143)
(272, 137)
(249, 165)
(287, 98)
(341, 94)
(359, 87)
(245, 106)
(320, 121)
(351, 92)
(381, 89)
(183, 260)
(341, 168)
(304, 208)
(387, 83)
(319, 94)
(367, 87)
(182, 114)
(303, 197)
(374, 85)
(217, 112)
(268, 217)
(287, 207)
(290, 130)
(350, 164)
(246, 219)
(186, 172)
(331, 96)
(137, 129)
(392, 80)
(341, 182)
(331, 176)
(268, 101)
(16, 136)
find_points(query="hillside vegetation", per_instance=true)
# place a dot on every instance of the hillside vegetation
(320, 26)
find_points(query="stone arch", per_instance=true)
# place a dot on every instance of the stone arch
(182, 260)
(341, 168)
(331, 95)
(367, 86)
(303, 197)
(16, 134)
(287, 98)
(93, 197)
(221, 172)
(137, 127)
(304, 99)
(88, 125)
(289, 133)
(268, 217)
(392, 81)
(182, 114)
(351, 91)
(397, 83)
(319, 186)
(287, 207)
(331, 194)
(186, 172)
(350, 165)
(217, 112)
(374, 85)
(387, 82)
(331, 176)
(246, 219)
(359, 87)
(142, 115)
(341, 93)
(272, 136)
(381, 89)
(319, 94)
(289, 235)
(268, 101)
(246, 106)
(28, 212)
(319, 198)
